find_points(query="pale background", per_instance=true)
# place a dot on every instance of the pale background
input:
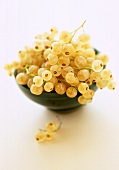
(89, 137)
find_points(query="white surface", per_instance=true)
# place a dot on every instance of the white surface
(89, 137)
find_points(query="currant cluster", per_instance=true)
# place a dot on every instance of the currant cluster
(61, 62)
(49, 132)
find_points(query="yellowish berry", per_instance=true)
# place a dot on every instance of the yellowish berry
(65, 36)
(51, 126)
(49, 135)
(22, 78)
(40, 136)
(82, 100)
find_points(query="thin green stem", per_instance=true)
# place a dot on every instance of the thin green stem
(81, 68)
(42, 130)
(60, 123)
(74, 32)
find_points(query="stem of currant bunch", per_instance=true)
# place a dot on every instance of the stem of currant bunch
(60, 122)
(74, 32)
(26, 68)
(81, 68)
(27, 71)
(43, 130)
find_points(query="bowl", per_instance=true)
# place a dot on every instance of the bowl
(52, 100)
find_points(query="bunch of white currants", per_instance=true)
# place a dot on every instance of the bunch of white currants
(49, 132)
(62, 63)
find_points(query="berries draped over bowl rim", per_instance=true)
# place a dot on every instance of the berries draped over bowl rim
(61, 62)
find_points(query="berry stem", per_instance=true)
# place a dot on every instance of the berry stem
(60, 123)
(42, 130)
(74, 32)
(81, 68)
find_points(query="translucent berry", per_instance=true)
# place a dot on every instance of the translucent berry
(111, 85)
(38, 46)
(65, 36)
(63, 61)
(83, 75)
(95, 76)
(56, 47)
(40, 136)
(68, 50)
(33, 70)
(38, 81)
(82, 100)
(71, 92)
(97, 65)
(70, 78)
(67, 69)
(88, 94)
(36, 90)
(103, 57)
(83, 87)
(76, 45)
(60, 88)
(101, 83)
(46, 75)
(106, 74)
(30, 82)
(51, 126)
(22, 78)
(48, 87)
(54, 30)
(47, 44)
(49, 136)
(90, 53)
(46, 52)
(89, 62)
(52, 59)
(55, 70)
(84, 38)
(40, 71)
(80, 61)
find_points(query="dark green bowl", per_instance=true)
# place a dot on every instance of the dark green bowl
(53, 100)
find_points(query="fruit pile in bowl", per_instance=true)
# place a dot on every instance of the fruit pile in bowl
(60, 70)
